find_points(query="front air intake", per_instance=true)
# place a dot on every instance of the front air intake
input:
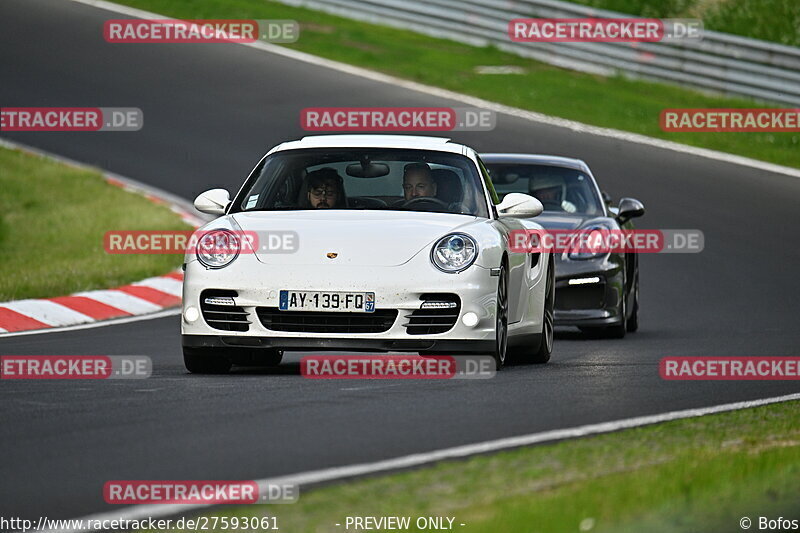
(437, 313)
(326, 321)
(221, 312)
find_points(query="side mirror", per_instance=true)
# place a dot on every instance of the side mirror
(213, 202)
(519, 205)
(629, 208)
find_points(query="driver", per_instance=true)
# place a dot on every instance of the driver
(325, 189)
(552, 190)
(418, 181)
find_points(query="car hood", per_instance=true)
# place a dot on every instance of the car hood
(357, 237)
(555, 220)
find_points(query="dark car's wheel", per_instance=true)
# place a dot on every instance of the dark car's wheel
(501, 319)
(205, 361)
(632, 323)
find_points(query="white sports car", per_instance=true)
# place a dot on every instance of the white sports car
(365, 243)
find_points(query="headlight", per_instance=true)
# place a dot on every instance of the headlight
(590, 243)
(218, 248)
(454, 253)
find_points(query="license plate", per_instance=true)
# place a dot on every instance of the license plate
(353, 302)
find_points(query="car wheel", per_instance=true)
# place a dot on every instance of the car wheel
(633, 322)
(205, 361)
(542, 355)
(501, 319)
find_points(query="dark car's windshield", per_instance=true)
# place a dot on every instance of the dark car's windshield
(558, 188)
(359, 178)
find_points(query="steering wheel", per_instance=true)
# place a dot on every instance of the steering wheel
(425, 199)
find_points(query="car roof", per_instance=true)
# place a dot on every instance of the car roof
(417, 142)
(536, 159)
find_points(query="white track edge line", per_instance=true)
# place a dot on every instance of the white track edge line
(144, 188)
(139, 512)
(97, 324)
(479, 102)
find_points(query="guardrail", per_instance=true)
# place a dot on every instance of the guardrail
(719, 62)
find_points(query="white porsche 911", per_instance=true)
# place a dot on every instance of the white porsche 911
(385, 243)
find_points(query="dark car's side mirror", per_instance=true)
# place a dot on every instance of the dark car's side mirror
(629, 208)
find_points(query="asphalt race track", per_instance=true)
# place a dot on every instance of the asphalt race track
(210, 112)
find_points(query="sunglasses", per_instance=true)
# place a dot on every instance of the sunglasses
(321, 191)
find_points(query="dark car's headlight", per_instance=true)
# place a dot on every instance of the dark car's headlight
(218, 248)
(590, 243)
(454, 253)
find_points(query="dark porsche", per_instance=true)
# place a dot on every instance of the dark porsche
(597, 292)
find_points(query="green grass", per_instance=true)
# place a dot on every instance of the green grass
(694, 475)
(52, 221)
(610, 102)
(770, 20)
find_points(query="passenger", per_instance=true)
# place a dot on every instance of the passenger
(325, 189)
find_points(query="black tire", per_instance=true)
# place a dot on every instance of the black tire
(540, 353)
(205, 361)
(632, 323)
(545, 350)
(501, 319)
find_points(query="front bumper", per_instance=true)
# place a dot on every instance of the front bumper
(397, 287)
(589, 304)
(339, 344)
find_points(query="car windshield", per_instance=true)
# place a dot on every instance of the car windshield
(360, 178)
(559, 189)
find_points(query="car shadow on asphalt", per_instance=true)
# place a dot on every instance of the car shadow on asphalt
(291, 368)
